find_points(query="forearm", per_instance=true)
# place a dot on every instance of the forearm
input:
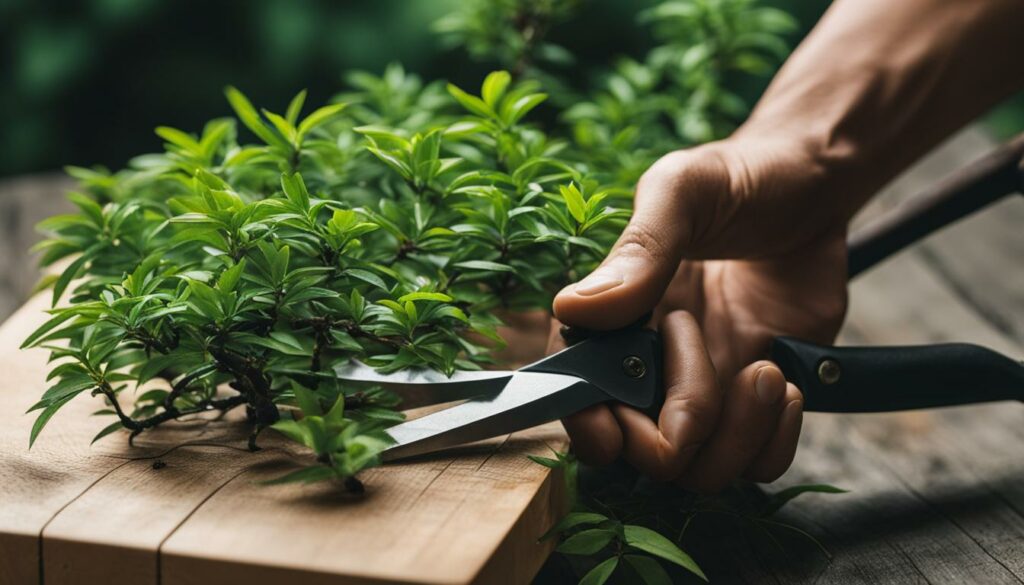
(880, 82)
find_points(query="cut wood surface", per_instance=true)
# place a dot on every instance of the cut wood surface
(935, 497)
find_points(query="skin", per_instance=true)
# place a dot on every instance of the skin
(735, 242)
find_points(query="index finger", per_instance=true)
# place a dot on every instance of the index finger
(693, 403)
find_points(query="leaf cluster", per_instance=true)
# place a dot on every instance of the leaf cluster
(223, 272)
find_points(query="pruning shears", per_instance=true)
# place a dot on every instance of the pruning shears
(626, 365)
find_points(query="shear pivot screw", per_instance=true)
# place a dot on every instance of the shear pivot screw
(829, 371)
(634, 367)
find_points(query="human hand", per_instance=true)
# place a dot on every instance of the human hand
(731, 244)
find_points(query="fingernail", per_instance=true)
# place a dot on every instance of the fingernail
(597, 283)
(769, 385)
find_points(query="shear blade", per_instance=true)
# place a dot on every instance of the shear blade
(423, 387)
(529, 399)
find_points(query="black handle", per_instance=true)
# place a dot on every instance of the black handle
(625, 364)
(876, 379)
(986, 180)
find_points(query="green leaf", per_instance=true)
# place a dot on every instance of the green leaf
(546, 461)
(307, 400)
(295, 107)
(229, 278)
(574, 202)
(343, 340)
(494, 87)
(50, 325)
(282, 125)
(251, 118)
(107, 430)
(780, 499)
(425, 296)
(368, 277)
(471, 103)
(587, 542)
(90, 208)
(319, 117)
(295, 189)
(179, 139)
(523, 106)
(600, 574)
(294, 431)
(336, 415)
(649, 569)
(572, 520)
(484, 265)
(649, 541)
(70, 273)
(44, 417)
(397, 164)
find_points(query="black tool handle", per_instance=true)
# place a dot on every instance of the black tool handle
(876, 379)
(985, 181)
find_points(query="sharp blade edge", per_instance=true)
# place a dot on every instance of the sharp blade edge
(528, 400)
(422, 387)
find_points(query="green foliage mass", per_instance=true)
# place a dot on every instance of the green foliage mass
(238, 267)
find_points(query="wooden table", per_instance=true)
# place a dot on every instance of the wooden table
(936, 497)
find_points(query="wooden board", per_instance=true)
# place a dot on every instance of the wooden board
(24, 202)
(72, 513)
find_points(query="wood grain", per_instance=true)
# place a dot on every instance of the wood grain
(24, 202)
(438, 521)
(36, 485)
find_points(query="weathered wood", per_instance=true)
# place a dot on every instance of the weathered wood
(472, 519)
(24, 202)
(106, 514)
(36, 485)
(980, 256)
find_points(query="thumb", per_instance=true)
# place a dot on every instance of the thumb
(634, 276)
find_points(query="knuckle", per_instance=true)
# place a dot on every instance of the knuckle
(701, 413)
(640, 240)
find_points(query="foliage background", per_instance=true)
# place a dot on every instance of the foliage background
(80, 78)
(83, 81)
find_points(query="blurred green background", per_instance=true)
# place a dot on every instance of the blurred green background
(84, 82)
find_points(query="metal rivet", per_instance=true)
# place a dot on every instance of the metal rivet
(634, 367)
(829, 371)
